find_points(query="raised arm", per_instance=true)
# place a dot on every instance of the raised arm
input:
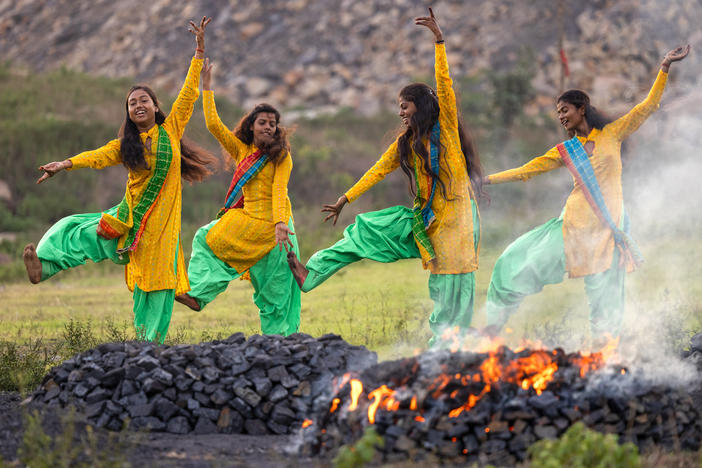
(214, 124)
(549, 161)
(629, 123)
(182, 108)
(444, 84)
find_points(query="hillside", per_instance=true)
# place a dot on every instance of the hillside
(327, 54)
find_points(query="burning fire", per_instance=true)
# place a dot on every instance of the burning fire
(533, 371)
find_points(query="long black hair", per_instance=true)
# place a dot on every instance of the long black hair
(420, 126)
(593, 117)
(280, 145)
(193, 159)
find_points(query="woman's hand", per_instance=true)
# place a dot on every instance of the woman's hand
(431, 23)
(199, 32)
(335, 209)
(52, 168)
(206, 75)
(282, 233)
(674, 56)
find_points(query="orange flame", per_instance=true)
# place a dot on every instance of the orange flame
(335, 404)
(307, 423)
(378, 395)
(356, 390)
(413, 403)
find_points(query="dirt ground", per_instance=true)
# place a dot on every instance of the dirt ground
(157, 449)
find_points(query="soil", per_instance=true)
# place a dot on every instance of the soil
(154, 449)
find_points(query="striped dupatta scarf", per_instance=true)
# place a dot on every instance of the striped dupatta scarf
(245, 171)
(130, 220)
(576, 160)
(424, 216)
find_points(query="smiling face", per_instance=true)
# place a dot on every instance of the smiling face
(264, 127)
(407, 110)
(570, 116)
(141, 109)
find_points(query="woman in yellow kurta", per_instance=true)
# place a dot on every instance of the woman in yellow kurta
(443, 229)
(577, 242)
(143, 231)
(244, 237)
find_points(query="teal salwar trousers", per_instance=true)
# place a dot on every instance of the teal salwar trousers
(276, 293)
(73, 240)
(386, 236)
(536, 259)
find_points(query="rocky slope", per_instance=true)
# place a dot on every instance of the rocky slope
(326, 54)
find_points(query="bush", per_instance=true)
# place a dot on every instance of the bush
(581, 447)
(361, 452)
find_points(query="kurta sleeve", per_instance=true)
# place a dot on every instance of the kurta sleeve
(182, 108)
(448, 116)
(549, 161)
(217, 128)
(280, 189)
(388, 162)
(106, 156)
(629, 123)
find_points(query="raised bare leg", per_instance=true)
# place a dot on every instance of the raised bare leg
(298, 269)
(32, 263)
(189, 301)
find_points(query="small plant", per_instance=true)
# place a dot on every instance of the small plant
(68, 448)
(361, 452)
(78, 336)
(581, 447)
(22, 366)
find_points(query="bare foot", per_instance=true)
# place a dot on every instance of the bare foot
(32, 263)
(298, 269)
(189, 301)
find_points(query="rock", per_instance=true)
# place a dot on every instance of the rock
(178, 425)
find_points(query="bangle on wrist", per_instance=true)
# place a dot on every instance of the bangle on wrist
(440, 41)
(197, 49)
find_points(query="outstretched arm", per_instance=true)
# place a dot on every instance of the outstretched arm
(629, 123)
(182, 108)
(549, 161)
(108, 155)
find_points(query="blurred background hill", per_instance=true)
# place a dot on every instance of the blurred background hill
(334, 68)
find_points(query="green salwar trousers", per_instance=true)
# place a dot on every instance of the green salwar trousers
(276, 293)
(386, 236)
(73, 240)
(536, 259)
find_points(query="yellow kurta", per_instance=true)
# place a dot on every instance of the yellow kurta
(151, 264)
(244, 236)
(589, 244)
(451, 234)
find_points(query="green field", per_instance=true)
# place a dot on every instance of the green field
(382, 306)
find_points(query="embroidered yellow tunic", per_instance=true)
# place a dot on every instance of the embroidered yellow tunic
(244, 236)
(589, 244)
(451, 234)
(151, 264)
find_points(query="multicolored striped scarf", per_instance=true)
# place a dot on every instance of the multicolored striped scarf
(134, 218)
(245, 171)
(424, 216)
(578, 163)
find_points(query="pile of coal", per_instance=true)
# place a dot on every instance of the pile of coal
(463, 407)
(261, 385)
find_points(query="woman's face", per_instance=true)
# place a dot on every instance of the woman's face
(264, 128)
(141, 109)
(569, 115)
(407, 110)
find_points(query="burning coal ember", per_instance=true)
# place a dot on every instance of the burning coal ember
(263, 385)
(465, 407)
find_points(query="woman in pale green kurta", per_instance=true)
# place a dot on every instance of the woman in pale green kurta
(577, 242)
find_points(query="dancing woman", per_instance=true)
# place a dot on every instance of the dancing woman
(590, 237)
(256, 217)
(143, 231)
(443, 229)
